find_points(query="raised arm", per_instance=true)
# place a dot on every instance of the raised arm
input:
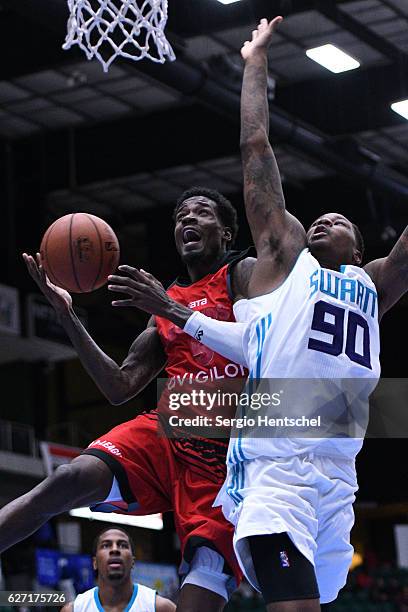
(145, 360)
(390, 274)
(264, 200)
(277, 234)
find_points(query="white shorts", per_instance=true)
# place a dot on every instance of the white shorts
(310, 497)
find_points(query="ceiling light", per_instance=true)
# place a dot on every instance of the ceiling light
(332, 58)
(227, 1)
(152, 521)
(401, 108)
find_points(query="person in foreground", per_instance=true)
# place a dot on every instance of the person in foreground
(312, 313)
(113, 560)
(136, 468)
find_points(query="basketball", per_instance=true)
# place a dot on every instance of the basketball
(79, 251)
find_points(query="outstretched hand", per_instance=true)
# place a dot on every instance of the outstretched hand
(261, 37)
(143, 290)
(58, 297)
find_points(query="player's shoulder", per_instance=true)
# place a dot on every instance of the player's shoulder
(69, 607)
(242, 271)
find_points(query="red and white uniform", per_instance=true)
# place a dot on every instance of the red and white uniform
(156, 473)
(193, 365)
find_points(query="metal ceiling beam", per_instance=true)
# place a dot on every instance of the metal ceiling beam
(348, 103)
(191, 79)
(331, 10)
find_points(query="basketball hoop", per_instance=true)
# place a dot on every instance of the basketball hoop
(106, 29)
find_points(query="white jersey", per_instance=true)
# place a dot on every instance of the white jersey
(143, 600)
(319, 324)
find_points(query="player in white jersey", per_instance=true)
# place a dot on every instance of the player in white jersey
(312, 314)
(113, 559)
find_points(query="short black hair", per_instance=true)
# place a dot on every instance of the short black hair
(359, 239)
(225, 209)
(100, 534)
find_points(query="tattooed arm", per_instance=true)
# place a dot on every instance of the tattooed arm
(390, 274)
(264, 198)
(278, 236)
(146, 356)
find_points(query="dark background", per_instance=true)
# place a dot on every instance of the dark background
(124, 145)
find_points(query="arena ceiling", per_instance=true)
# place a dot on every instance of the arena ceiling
(143, 132)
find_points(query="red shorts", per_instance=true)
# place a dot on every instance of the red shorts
(155, 474)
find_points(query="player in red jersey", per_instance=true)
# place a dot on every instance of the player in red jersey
(132, 467)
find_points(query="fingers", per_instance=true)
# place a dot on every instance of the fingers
(31, 265)
(147, 274)
(261, 36)
(133, 272)
(151, 278)
(275, 22)
(28, 259)
(37, 272)
(271, 25)
(133, 290)
(40, 267)
(138, 275)
(123, 280)
(123, 303)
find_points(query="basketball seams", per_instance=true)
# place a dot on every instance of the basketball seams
(100, 250)
(72, 253)
(86, 261)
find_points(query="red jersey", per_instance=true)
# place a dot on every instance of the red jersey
(187, 356)
(192, 363)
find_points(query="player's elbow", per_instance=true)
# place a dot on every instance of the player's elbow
(116, 400)
(120, 396)
(123, 388)
(120, 392)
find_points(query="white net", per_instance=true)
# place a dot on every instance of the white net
(106, 29)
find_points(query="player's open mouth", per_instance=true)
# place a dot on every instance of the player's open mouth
(116, 563)
(320, 231)
(190, 234)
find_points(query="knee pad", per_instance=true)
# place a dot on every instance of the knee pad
(206, 571)
(283, 572)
